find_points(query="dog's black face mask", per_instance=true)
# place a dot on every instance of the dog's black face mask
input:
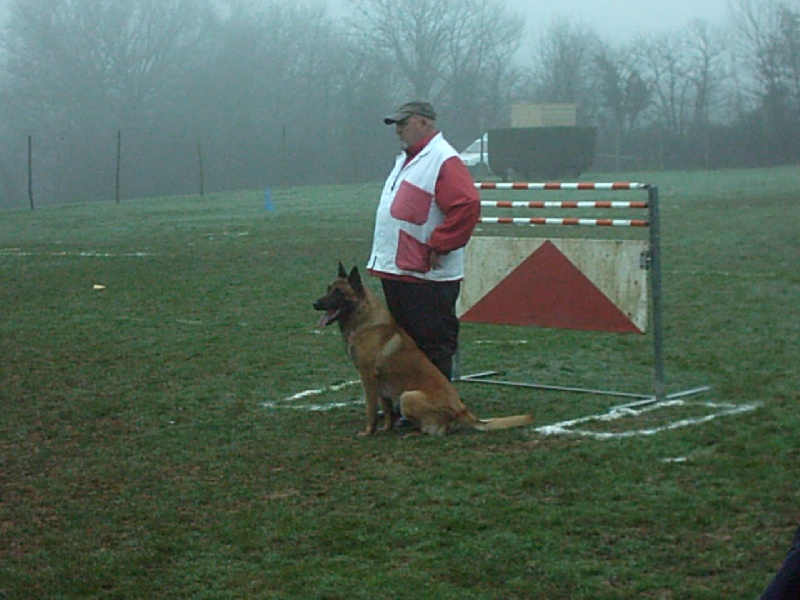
(341, 297)
(335, 304)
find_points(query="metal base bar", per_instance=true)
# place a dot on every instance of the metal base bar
(673, 396)
(643, 399)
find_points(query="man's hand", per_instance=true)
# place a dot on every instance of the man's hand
(434, 260)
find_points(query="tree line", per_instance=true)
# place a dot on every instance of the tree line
(271, 93)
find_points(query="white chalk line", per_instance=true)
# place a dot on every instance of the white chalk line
(84, 254)
(722, 410)
(287, 403)
(564, 427)
(501, 342)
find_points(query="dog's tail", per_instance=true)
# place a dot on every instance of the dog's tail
(470, 420)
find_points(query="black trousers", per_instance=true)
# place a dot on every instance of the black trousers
(427, 312)
(786, 583)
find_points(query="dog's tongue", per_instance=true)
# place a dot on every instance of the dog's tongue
(328, 318)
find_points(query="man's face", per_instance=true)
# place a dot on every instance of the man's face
(411, 130)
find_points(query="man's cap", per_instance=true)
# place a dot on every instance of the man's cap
(415, 107)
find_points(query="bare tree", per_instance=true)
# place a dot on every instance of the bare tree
(478, 68)
(684, 71)
(665, 62)
(276, 74)
(767, 36)
(707, 56)
(82, 61)
(457, 51)
(78, 70)
(707, 72)
(790, 49)
(562, 66)
(414, 34)
(624, 96)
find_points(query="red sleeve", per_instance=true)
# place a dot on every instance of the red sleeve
(457, 197)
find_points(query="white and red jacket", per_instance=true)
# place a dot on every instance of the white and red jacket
(429, 203)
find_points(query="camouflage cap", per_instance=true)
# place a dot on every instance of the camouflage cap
(415, 107)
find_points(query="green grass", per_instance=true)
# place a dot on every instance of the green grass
(147, 449)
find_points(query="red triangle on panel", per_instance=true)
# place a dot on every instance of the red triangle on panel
(548, 290)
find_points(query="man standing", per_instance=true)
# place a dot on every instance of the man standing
(428, 209)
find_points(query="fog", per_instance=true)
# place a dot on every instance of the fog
(623, 19)
(613, 19)
(618, 20)
(113, 98)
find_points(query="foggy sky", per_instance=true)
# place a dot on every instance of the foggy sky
(611, 19)
(622, 19)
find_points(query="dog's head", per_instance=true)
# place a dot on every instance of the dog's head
(342, 296)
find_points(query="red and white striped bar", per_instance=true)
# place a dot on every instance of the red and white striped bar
(565, 204)
(555, 185)
(573, 222)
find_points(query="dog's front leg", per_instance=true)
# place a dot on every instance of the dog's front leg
(371, 401)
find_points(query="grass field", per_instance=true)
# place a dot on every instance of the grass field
(155, 441)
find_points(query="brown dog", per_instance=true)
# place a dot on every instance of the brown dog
(392, 367)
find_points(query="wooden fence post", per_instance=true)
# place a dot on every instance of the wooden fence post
(200, 165)
(119, 160)
(30, 171)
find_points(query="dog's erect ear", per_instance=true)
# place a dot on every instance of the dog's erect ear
(342, 272)
(354, 280)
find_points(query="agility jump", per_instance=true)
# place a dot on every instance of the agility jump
(506, 280)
